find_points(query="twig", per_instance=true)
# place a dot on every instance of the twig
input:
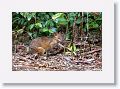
(90, 52)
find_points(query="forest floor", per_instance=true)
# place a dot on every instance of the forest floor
(88, 61)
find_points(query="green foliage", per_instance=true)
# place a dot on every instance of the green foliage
(95, 21)
(59, 19)
(46, 23)
(28, 15)
(72, 48)
(47, 31)
(58, 15)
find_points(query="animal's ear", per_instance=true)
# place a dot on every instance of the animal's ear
(55, 34)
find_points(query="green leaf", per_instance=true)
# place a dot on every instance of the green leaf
(30, 34)
(71, 48)
(25, 23)
(38, 25)
(15, 20)
(95, 25)
(49, 23)
(50, 31)
(57, 16)
(28, 15)
(69, 45)
(62, 21)
(45, 30)
(74, 53)
(78, 21)
(34, 35)
(54, 29)
(74, 48)
(72, 14)
(28, 18)
(71, 19)
(20, 31)
(47, 16)
(21, 13)
(22, 21)
(31, 26)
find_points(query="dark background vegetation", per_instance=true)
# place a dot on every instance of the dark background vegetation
(36, 24)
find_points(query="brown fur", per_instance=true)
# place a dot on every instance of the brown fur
(41, 45)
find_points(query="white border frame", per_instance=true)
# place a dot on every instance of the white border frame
(104, 76)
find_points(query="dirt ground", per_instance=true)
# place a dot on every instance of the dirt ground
(87, 61)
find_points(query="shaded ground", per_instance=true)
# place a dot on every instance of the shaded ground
(87, 61)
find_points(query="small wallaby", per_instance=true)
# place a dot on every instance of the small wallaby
(41, 45)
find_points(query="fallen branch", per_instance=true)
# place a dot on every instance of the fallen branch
(93, 51)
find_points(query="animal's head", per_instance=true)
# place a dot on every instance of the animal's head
(58, 36)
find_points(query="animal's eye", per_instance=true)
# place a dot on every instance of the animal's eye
(45, 52)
